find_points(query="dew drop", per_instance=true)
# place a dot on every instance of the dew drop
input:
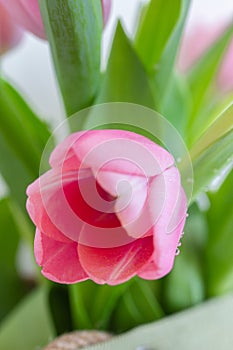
(177, 251)
(178, 160)
(179, 244)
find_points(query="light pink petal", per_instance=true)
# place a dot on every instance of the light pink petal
(59, 260)
(10, 34)
(172, 218)
(164, 256)
(117, 265)
(63, 155)
(131, 194)
(98, 148)
(142, 224)
(113, 149)
(106, 6)
(26, 14)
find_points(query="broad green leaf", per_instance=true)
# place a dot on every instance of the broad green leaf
(59, 307)
(125, 79)
(89, 313)
(201, 78)
(138, 305)
(29, 326)
(81, 300)
(211, 162)
(176, 104)
(22, 140)
(12, 288)
(155, 29)
(184, 286)
(73, 28)
(211, 153)
(165, 66)
(219, 257)
(105, 303)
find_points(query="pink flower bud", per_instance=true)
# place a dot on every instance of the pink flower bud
(111, 207)
(10, 34)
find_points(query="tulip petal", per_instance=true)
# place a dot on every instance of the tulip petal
(135, 154)
(63, 155)
(163, 260)
(59, 260)
(115, 265)
(166, 241)
(72, 206)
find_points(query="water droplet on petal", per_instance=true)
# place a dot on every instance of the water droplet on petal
(179, 244)
(177, 251)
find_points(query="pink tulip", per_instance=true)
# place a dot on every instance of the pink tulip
(10, 34)
(25, 13)
(194, 45)
(111, 207)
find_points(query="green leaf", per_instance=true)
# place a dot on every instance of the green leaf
(201, 78)
(22, 140)
(12, 287)
(29, 326)
(138, 305)
(81, 296)
(105, 302)
(176, 104)
(125, 79)
(165, 66)
(94, 314)
(59, 306)
(74, 28)
(212, 151)
(155, 29)
(219, 260)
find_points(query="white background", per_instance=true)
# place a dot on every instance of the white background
(29, 66)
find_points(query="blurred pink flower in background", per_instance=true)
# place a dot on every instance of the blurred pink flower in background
(112, 206)
(106, 5)
(10, 34)
(195, 43)
(26, 14)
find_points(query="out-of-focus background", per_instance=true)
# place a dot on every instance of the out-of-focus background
(29, 65)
